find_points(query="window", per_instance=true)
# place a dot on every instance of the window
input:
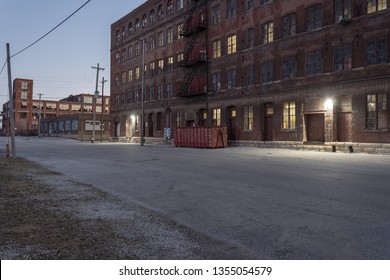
(130, 52)
(151, 93)
(144, 20)
(376, 5)
(137, 49)
(160, 12)
(217, 49)
(267, 32)
(216, 117)
(248, 118)
(137, 25)
(152, 42)
(169, 7)
(170, 35)
(343, 57)
(152, 68)
(137, 73)
(124, 78)
(267, 72)
(231, 79)
(179, 4)
(180, 31)
(179, 119)
(117, 58)
(289, 68)
(251, 38)
(180, 57)
(64, 107)
(216, 81)
(170, 90)
(129, 97)
(160, 66)
(231, 8)
(170, 63)
(250, 4)
(130, 28)
(231, 44)
(161, 39)
(377, 113)
(216, 14)
(152, 17)
(314, 17)
(313, 62)
(289, 23)
(265, 1)
(289, 116)
(342, 10)
(130, 75)
(23, 105)
(23, 95)
(377, 51)
(250, 75)
(88, 99)
(24, 85)
(160, 91)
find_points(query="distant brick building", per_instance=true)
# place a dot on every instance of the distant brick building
(294, 71)
(54, 114)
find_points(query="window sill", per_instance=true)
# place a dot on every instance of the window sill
(381, 130)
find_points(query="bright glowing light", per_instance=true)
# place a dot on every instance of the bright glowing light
(329, 104)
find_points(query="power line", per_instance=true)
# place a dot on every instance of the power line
(58, 25)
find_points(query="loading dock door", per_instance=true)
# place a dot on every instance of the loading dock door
(315, 128)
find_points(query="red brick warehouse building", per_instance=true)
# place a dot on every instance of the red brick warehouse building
(289, 71)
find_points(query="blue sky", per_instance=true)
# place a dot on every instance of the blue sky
(60, 64)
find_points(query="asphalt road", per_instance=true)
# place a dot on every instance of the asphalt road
(277, 204)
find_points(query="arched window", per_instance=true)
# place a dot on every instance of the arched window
(169, 7)
(152, 17)
(130, 27)
(160, 11)
(137, 25)
(123, 31)
(118, 36)
(144, 20)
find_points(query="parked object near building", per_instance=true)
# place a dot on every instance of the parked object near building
(270, 71)
(73, 108)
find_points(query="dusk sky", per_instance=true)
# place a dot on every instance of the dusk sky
(60, 64)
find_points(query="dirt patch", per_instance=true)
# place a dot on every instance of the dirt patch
(47, 216)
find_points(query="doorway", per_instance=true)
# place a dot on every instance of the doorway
(344, 126)
(315, 127)
(268, 122)
(232, 126)
(150, 125)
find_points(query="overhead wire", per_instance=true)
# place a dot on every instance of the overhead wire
(36, 41)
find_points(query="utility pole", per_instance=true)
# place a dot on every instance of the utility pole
(11, 103)
(95, 99)
(39, 116)
(103, 107)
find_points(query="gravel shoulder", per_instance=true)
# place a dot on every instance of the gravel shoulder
(47, 216)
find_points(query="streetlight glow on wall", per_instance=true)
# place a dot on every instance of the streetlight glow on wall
(328, 104)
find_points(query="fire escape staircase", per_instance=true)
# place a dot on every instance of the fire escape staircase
(192, 28)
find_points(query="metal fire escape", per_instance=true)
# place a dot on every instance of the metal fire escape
(195, 58)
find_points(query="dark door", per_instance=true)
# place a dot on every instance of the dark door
(316, 128)
(150, 125)
(232, 123)
(344, 127)
(268, 122)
